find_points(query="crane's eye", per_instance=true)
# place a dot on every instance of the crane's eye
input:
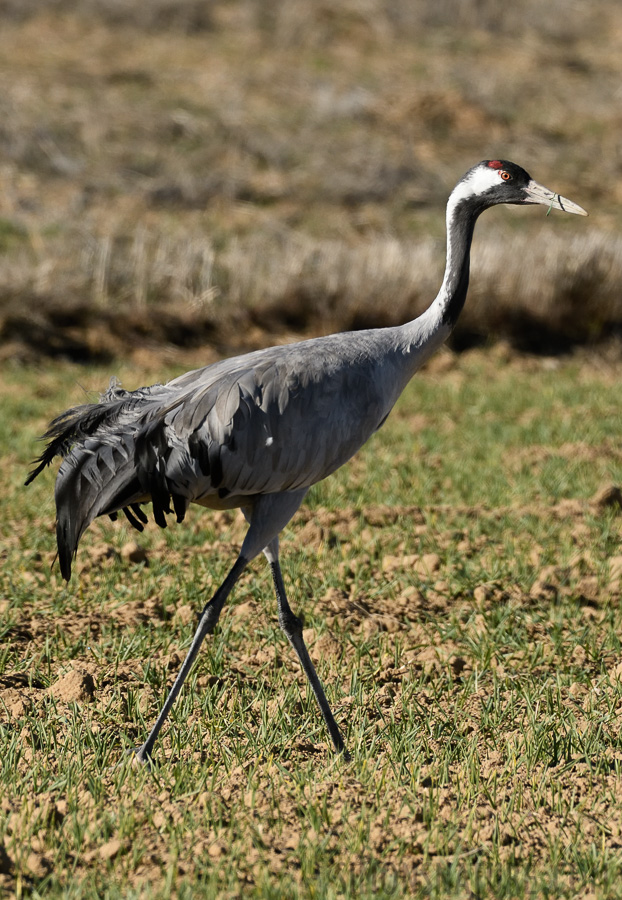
(505, 175)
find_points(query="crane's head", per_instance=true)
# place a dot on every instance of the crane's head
(496, 181)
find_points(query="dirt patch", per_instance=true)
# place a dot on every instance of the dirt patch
(76, 686)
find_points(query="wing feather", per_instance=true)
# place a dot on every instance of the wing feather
(270, 421)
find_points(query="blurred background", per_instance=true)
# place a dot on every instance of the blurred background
(178, 175)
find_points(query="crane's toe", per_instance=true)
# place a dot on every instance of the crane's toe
(135, 758)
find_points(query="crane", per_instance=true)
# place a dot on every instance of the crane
(256, 431)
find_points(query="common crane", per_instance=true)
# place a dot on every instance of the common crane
(256, 431)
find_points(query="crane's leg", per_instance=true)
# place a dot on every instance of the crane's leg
(267, 515)
(292, 626)
(207, 623)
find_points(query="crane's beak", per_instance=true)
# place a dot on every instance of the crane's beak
(537, 193)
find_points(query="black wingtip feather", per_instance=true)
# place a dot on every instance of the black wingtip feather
(131, 518)
(42, 463)
(179, 505)
(65, 551)
(65, 430)
(140, 514)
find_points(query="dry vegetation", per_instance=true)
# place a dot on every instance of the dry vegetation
(211, 171)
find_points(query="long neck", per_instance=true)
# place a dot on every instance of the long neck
(421, 337)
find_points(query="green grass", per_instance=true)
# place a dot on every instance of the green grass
(481, 701)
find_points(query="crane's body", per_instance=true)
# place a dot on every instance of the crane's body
(276, 420)
(258, 430)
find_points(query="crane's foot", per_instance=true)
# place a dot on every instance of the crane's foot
(142, 759)
(340, 748)
(135, 757)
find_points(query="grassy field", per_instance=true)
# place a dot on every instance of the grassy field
(183, 178)
(461, 585)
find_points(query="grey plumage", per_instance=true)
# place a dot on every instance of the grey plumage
(276, 420)
(258, 430)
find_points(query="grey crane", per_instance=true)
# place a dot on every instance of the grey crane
(258, 430)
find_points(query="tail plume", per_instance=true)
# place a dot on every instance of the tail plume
(97, 473)
(65, 431)
(113, 459)
(95, 479)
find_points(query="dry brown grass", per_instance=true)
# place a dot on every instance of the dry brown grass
(191, 171)
(148, 289)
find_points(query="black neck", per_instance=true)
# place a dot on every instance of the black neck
(460, 224)
(419, 338)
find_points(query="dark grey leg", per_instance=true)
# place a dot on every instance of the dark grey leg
(207, 623)
(266, 514)
(292, 626)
